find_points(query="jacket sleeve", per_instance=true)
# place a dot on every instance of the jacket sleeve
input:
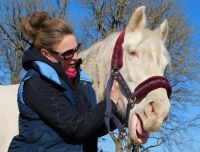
(53, 107)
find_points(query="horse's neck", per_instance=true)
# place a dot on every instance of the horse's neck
(97, 60)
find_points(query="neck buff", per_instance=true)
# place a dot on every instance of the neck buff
(71, 74)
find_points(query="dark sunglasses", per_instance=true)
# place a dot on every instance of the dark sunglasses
(69, 53)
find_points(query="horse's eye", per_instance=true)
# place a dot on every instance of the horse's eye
(134, 53)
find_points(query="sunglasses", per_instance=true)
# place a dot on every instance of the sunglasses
(69, 53)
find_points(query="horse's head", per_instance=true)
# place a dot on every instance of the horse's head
(144, 56)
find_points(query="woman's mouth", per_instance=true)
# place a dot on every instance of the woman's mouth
(71, 67)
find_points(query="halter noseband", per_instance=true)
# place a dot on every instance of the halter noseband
(140, 91)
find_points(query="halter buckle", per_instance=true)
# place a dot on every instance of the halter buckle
(122, 135)
(115, 71)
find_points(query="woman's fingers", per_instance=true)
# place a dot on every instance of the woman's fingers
(114, 95)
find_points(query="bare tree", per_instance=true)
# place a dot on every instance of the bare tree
(106, 16)
(13, 43)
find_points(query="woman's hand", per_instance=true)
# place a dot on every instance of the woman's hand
(114, 94)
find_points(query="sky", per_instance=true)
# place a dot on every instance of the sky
(192, 10)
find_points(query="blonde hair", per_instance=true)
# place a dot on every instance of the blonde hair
(45, 31)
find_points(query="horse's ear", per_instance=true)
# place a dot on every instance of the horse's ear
(163, 30)
(137, 20)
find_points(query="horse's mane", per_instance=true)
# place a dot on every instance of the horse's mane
(95, 53)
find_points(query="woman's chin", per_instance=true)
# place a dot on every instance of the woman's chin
(71, 70)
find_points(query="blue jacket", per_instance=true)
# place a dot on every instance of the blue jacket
(54, 115)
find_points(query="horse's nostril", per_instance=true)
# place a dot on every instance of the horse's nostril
(150, 110)
(145, 114)
(152, 106)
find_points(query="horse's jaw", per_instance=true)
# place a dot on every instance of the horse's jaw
(148, 116)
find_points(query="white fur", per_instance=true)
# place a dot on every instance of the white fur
(8, 115)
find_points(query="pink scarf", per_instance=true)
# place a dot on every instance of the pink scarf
(71, 74)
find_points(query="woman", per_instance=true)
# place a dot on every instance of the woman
(58, 109)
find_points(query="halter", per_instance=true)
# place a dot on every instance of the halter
(140, 91)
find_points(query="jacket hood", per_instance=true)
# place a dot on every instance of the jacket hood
(31, 55)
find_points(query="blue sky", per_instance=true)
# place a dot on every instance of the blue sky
(192, 10)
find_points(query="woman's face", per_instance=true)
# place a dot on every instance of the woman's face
(67, 49)
(66, 52)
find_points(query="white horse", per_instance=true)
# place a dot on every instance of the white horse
(144, 56)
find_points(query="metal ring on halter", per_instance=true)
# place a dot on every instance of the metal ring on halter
(132, 95)
(122, 135)
(114, 71)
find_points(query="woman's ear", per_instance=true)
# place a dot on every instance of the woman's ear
(46, 53)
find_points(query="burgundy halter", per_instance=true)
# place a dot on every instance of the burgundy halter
(140, 91)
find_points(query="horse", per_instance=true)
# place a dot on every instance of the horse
(144, 59)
